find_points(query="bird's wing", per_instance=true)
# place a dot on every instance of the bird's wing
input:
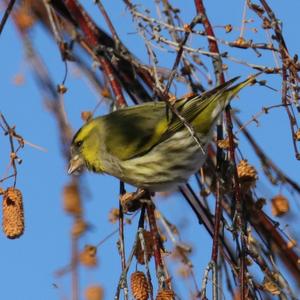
(190, 108)
(132, 131)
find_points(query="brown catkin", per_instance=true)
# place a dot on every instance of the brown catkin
(88, 256)
(79, 227)
(246, 173)
(71, 197)
(165, 295)
(139, 286)
(13, 213)
(280, 205)
(139, 253)
(94, 292)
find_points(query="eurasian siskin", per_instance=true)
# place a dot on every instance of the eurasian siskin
(147, 145)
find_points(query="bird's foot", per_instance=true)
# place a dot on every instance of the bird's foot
(131, 202)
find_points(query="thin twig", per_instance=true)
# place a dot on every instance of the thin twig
(6, 14)
(121, 238)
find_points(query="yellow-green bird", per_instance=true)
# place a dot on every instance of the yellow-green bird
(147, 145)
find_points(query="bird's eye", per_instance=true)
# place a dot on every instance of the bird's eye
(78, 144)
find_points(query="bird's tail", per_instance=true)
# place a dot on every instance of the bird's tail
(203, 111)
(232, 91)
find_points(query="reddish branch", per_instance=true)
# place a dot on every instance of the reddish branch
(103, 47)
(212, 44)
(262, 224)
(121, 228)
(108, 22)
(268, 165)
(88, 27)
(205, 219)
(156, 245)
(217, 62)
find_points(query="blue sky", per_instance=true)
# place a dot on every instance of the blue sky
(28, 264)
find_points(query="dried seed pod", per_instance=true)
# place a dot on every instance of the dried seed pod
(86, 115)
(139, 253)
(291, 244)
(88, 256)
(240, 42)
(246, 173)
(114, 215)
(205, 192)
(280, 205)
(61, 88)
(72, 201)
(271, 285)
(228, 28)
(139, 286)
(13, 213)
(79, 227)
(223, 144)
(187, 28)
(105, 93)
(94, 292)
(266, 23)
(297, 135)
(165, 295)
(224, 67)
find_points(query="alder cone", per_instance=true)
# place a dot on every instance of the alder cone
(165, 295)
(139, 286)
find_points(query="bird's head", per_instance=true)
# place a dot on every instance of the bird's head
(84, 150)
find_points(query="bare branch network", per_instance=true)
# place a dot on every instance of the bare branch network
(252, 254)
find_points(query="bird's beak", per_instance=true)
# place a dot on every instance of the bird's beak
(76, 164)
